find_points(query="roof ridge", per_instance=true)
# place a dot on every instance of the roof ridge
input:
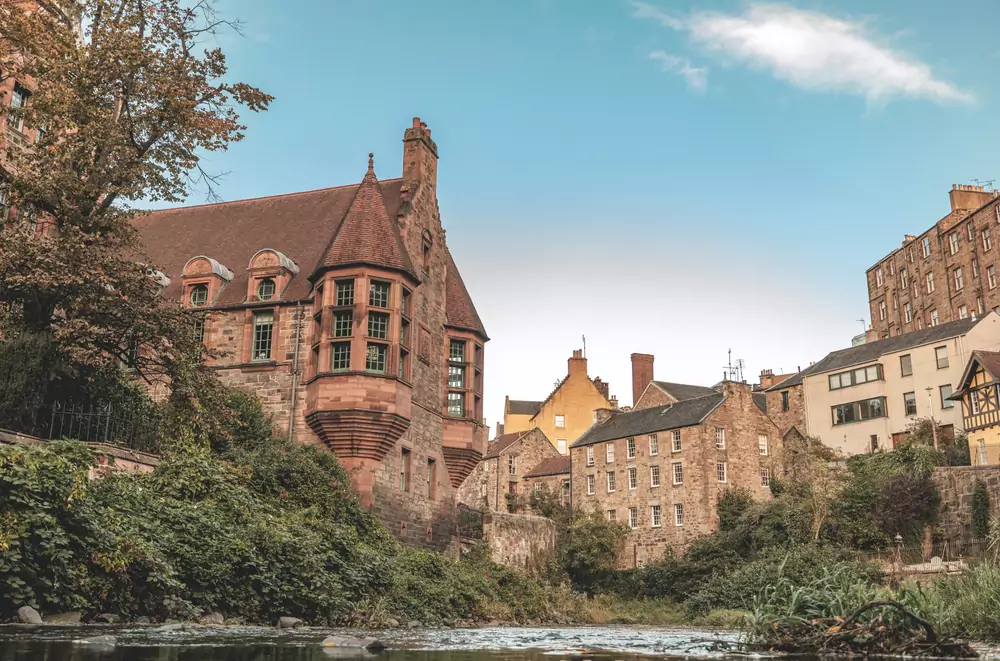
(151, 212)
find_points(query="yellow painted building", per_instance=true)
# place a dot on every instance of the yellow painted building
(567, 412)
(979, 392)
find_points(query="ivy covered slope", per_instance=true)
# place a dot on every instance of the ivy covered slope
(257, 529)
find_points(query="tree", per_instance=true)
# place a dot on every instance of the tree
(955, 446)
(810, 476)
(127, 111)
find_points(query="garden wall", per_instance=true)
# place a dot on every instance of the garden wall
(956, 484)
(519, 540)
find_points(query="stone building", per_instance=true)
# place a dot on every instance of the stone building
(498, 481)
(552, 474)
(785, 402)
(661, 469)
(567, 412)
(946, 273)
(646, 392)
(345, 311)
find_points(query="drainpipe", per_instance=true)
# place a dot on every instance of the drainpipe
(295, 369)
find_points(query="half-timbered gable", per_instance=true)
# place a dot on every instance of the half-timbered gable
(979, 392)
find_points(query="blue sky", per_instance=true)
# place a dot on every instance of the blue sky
(673, 177)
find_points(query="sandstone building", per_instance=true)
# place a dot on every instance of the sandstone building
(647, 392)
(948, 272)
(345, 311)
(661, 469)
(498, 482)
(567, 412)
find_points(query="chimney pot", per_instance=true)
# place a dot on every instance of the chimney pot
(416, 122)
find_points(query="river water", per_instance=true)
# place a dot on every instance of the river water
(19, 643)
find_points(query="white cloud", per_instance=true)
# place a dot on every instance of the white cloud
(696, 77)
(811, 50)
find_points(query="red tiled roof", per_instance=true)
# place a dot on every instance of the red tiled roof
(551, 466)
(297, 224)
(367, 234)
(459, 310)
(990, 360)
(501, 443)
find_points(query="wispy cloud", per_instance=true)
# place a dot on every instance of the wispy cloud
(811, 50)
(696, 77)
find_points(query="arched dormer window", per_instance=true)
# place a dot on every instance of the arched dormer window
(270, 273)
(203, 279)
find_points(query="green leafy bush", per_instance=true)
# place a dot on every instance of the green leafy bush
(980, 511)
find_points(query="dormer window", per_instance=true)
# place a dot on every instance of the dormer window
(199, 295)
(266, 289)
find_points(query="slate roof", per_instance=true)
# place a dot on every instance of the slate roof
(682, 391)
(459, 310)
(367, 235)
(988, 360)
(501, 443)
(646, 421)
(523, 407)
(551, 466)
(866, 353)
(760, 400)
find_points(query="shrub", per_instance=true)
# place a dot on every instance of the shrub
(732, 505)
(980, 511)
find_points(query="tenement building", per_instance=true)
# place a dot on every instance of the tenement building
(948, 272)
(864, 398)
(661, 469)
(343, 309)
(567, 412)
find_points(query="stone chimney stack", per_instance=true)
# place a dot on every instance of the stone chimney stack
(642, 374)
(577, 365)
(420, 155)
(603, 415)
(603, 387)
(766, 379)
(964, 196)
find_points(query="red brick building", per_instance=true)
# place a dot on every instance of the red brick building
(948, 272)
(344, 310)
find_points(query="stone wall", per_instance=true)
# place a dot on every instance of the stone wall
(520, 540)
(110, 459)
(795, 416)
(956, 484)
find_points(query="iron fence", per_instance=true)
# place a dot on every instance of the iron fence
(970, 551)
(98, 423)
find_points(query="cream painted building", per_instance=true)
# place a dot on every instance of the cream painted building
(567, 412)
(863, 398)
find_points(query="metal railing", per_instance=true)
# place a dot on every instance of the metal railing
(97, 423)
(971, 551)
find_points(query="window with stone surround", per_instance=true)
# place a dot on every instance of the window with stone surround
(904, 279)
(633, 518)
(266, 289)
(926, 246)
(907, 313)
(934, 317)
(375, 358)
(457, 375)
(765, 477)
(609, 452)
(654, 445)
(654, 476)
(404, 469)
(198, 331)
(930, 282)
(512, 465)
(784, 400)
(963, 312)
(456, 404)
(953, 242)
(590, 455)
(878, 277)
(199, 295)
(263, 333)
(378, 294)
(345, 293)
(720, 471)
(431, 479)
(677, 469)
(971, 231)
(378, 325)
(560, 422)
(403, 365)
(611, 482)
(678, 514)
(341, 357)
(881, 310)
(654, 516)
(675, 440)
(630, 448)
(612, 516)
(959, 280)
(987, 239)
(720, 438)
(633, 479)
(343, 323)
(591, 490)
(762, 444)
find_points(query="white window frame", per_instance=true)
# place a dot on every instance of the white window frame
(591, 485)
(983, 458)
(991, 276)
(612, 482)
(630, 448)
(560, 422)
(654, 476)
(612, 516)
(987, 239)
(654, 445)
(675, 441)
(561, 445)
(677, 471)
(930, 282)
(963, 311)
(655, 519)
(934, 318)
(953, 243)
(881, 310)
(926, 246)
(633, 479)
(720, 438)
(590, 455)
(679, 514)
(765, 476)
(959, 280)
(879, 278)
(722, 472)
(609, 452)
(762, 444)
(633, 518)
(908, 313)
